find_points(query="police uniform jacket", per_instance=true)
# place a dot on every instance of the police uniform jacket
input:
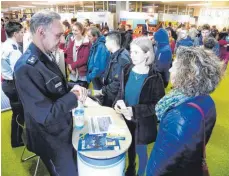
(46, 100)
(9, 56)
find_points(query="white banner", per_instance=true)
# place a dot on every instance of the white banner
(66, 16)
(95, 17)
(138, 15)
(174, 17)
(214, 16)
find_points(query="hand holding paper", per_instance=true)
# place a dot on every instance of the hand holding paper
(128, 113)
(119, 105)
(73, 72)
(121, 108)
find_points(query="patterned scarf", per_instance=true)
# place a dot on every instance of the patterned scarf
(171, 100)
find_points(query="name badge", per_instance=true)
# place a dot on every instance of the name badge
(58, 84)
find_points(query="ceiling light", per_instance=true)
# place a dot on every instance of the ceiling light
(58, 1)
(150, 7)
(27, 6)
(150, 10)
(87, 6)
(171, 0)
(68, 8)
(41, 3)
(200, 4)
(15, 8)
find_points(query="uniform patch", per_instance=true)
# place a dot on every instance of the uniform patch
(32, 60)
(14, 47)
(58, 84)
(116, 76)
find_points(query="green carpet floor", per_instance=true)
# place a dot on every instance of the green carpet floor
(217, 148)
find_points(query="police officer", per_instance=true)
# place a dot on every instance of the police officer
(10, 55)
(47, 100)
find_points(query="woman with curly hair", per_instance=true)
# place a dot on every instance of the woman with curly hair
(187, 115)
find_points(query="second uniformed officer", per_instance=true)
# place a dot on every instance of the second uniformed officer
(46, 97)
(9, 56)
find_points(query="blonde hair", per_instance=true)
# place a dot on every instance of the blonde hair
(147, 46)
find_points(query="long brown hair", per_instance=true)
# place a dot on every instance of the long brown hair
(80, 27)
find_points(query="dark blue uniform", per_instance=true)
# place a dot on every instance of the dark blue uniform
(47, 104)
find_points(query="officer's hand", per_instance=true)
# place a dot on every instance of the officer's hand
(80, 92)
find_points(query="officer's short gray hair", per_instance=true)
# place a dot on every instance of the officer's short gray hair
(147, 46)
(43, 18)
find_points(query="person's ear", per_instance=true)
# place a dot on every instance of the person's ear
(41, 31)
(14, 34)
(147, 54)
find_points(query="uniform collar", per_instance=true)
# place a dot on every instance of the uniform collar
(43, 57)
(37, 52)
(13, 42)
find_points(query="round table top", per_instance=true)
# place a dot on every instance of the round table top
(120, 129)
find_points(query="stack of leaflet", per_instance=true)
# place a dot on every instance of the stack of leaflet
(99, 124)
(98, 142)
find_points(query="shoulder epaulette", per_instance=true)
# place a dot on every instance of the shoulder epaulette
(14, 46)
(32, 60)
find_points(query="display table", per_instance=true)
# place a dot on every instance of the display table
(102, 163)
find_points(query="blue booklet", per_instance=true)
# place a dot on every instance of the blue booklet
(97, 142)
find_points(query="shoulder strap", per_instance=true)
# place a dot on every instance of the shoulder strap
(202, 114)
(32, 60)
(197, 107)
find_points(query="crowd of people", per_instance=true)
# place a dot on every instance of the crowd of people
(205, 35)
(120, 67)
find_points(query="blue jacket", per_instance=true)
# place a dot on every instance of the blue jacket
(184, 42)
(98, 59)
(178, 149)
(46, 101)
(163, 58)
